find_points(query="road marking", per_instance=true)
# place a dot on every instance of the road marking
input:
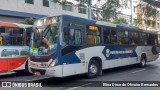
(79, 86)
(138, 70)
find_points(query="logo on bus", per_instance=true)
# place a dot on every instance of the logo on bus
(107, 52)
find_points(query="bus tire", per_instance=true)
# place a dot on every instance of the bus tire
(142, 62)
(25, 71)
(93, 69)
(26, 67)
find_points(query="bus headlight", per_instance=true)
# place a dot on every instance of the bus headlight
(53, 63)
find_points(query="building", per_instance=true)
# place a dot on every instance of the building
(138, 18)
(16, 10)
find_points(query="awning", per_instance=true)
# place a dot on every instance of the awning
(7, 24)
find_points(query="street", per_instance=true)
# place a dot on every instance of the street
(128, 73)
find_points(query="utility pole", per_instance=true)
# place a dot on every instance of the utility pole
(89, 10)
(131, 12)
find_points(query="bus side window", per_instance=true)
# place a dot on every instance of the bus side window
(78, 37)
(121, 37)
(106, 35)
(152, 39)
(93, 35)
(75, 37)
(133, 38)
(143, 38)
(72, 36)
(113, 37)
(66, 36)
(126, 39)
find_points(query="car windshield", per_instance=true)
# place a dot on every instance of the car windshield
(44, 40)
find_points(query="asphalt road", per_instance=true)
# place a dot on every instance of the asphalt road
(79, 82)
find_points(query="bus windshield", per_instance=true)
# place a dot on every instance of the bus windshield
(44, 40)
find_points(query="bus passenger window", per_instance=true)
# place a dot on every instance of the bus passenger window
(75, 37)
(72, 37)
(126, 39)
(113, 37)
(133, 38)
(106, 36)
(143, 38)
(121, 37)
(78, 37)
(152, 39)
(93, 35)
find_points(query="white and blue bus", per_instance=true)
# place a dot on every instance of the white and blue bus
(66, 45)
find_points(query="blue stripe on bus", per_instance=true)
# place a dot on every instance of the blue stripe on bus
(70, 58)
(116, 52)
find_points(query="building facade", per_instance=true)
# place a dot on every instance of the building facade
(16, 10)
(138, 18)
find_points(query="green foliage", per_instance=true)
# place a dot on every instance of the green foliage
(110, 8)
(29, 21)
(120, 21)
(149, 13)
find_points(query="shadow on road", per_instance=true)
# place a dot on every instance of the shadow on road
(77, 80)
(14, 75)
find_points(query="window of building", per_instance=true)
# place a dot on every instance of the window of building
(133, 38)
(49, 3)
(46, 3)
(67, 7)
(93, 35)
(82, 10)
(29, 1)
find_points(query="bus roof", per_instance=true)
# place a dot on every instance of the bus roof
(15, 25)
(101, 23)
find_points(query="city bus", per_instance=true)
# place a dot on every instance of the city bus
(67, 45)
(14, 46)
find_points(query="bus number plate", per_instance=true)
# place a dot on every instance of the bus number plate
(37, 73)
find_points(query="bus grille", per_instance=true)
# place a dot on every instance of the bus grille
(40, 59)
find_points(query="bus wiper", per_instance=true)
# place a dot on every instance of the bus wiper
(45, 32)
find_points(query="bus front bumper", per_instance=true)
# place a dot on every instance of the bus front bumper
(53, 72)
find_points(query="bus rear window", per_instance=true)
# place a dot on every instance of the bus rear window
(12, 36)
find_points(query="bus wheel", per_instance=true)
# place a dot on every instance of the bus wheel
(93, 69)
(142, 62)
(26, 67)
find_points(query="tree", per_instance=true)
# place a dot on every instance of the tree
(112, 6)
(146, 12)
(120, 21)
(29, 21)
